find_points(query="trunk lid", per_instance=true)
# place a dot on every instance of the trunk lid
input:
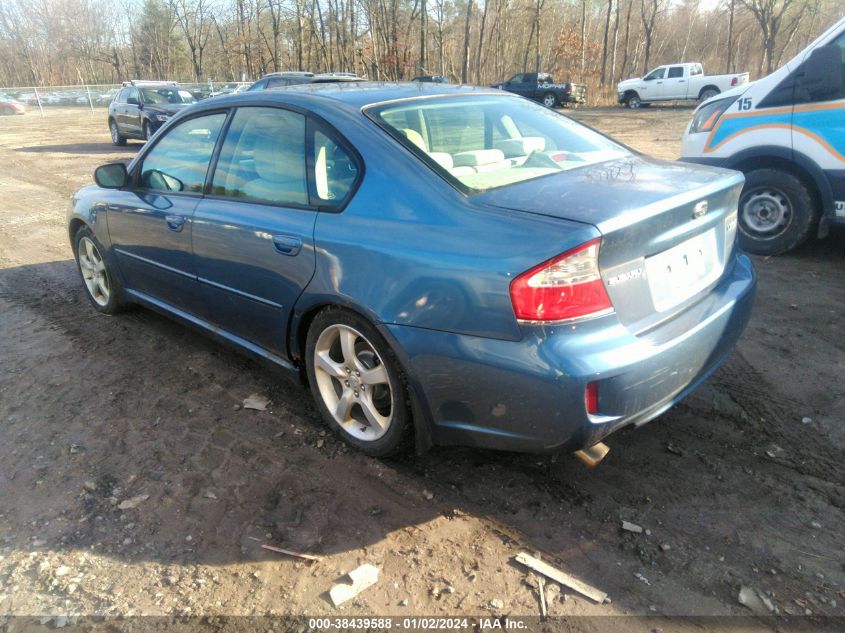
(668, 228)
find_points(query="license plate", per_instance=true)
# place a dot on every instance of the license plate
(684, 270)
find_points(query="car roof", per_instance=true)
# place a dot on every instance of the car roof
(357, 95)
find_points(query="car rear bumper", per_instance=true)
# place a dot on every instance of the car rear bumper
(528, 395)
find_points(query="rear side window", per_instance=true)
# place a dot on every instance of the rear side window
(263, 158)
(335, 170)
(179, 161)
(676, 72)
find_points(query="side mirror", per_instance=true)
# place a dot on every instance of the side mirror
(111, 176)
(823, 72)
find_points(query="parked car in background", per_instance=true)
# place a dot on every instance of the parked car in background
(541, 87)
(786, 133)
(233, 87)
(9, 105)
(293, 78)
(437, 79)
(676, 82)
(141, 107)
(450, 263)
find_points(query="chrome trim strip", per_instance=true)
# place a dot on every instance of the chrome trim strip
(240, 293)
(589, 317)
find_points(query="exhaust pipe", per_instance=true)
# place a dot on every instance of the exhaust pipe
(592, 456)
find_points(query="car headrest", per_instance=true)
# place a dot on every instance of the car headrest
(513, 147)
(443, 159)
(477, 157)
(415, 138)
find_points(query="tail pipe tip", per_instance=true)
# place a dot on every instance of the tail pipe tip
(592, 456)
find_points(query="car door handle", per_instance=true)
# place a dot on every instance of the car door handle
(287, 244)
(175, 222)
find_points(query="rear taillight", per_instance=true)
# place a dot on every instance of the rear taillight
(566, 287)
(591, 397)
(734, 81)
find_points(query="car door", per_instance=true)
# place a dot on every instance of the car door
(132, 112)
(514, 84)
(150, 225)
(652, 87)
(528, 86)
(675, 83)
(818, 129)
(254, 234)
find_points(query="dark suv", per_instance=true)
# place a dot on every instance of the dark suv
(141, 107)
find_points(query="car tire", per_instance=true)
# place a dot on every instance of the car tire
(633, 101)
(148, 130)
(549, 100)
(101, 283)
(357, 383)
(776, 212)
(707, 94)
(116, 137)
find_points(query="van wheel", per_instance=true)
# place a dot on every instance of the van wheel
(357, 383)
(633, 101)
(777, 213)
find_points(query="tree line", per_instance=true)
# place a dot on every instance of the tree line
(597, 42)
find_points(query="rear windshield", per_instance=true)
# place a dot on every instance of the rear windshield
(161, 96)
(484, 142)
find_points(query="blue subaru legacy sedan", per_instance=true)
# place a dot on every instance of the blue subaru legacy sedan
(444, 264)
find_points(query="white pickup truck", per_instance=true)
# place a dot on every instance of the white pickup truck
(676, 82)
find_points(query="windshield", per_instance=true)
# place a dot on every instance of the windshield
(161, 96)
(486, 142)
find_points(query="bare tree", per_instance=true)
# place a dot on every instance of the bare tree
(776, 19)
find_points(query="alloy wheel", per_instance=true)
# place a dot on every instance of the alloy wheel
(94, 271)
(353, 382)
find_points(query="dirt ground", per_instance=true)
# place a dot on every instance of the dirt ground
(739, 486)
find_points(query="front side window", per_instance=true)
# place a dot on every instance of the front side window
(676, 72)
(840, 42)
(263, 158)
(658, 73)
(179, 160)
(484, 142)
(132, 96)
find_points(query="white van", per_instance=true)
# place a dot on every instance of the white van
(786, 132)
